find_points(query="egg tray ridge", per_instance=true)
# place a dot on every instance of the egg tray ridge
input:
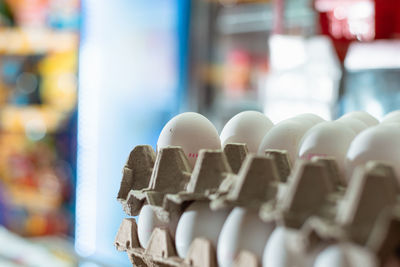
(308, 198)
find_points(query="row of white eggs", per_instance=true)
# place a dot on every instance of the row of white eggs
(352, 140)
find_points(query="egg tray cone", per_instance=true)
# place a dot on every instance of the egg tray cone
(308, 198)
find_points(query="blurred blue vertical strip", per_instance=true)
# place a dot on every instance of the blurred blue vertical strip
(82, 23)
(133, 78)
(3, 209)
(183, 19)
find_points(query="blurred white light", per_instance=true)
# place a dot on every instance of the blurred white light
(286, 85)
(35, 129)
(374, 108)
(86, 202)
(281, 110)
(323, 89)
(381, 54)
(304, 77)
(287, 51)
(360, 10)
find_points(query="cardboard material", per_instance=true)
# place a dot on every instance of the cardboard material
(299, 203)
(311, 199)
(235, 154)
(253, 185)
(136, 176)
(281, 161)
(201, 253)
(355, 227)
(384, 239)
(246, 258)
(171, 173)
(371, 190)
(127, 237)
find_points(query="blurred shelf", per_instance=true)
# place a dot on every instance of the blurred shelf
(31, 41)
(245, 18)
(259, 17)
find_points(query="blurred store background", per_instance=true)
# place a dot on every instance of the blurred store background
(84, 81)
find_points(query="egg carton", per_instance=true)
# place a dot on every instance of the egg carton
(308, 199)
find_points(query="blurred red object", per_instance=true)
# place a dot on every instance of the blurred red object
(363, 20)
(237, 72)
(387, 19)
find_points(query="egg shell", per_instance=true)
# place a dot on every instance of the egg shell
(356, 125)
(147, 221)
(276, 251)
(247, 127)
(363, 116)
(308, 118)
(345, 255)
(327, 139)
(198, 221)
(242, 230)
(191, 131)
(381, 143)
(332, 256)
(391, 117)
(285, 135)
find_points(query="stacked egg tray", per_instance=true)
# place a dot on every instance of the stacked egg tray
(362, 218)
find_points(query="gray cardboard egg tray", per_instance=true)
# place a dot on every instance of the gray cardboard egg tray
(307, 198)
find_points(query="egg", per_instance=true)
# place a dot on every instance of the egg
(356, 125)
(242, 230)
(381, 142)
(276, 251)
(247, 127)
(308, 118)
(332, 256)
(285, 135)
(392, 117)
(327, 139)
(191, 131)
(198, 221)
(363, 116)
(147, 221)
(345, 255)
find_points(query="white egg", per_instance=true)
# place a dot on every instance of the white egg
(242, 230)
(247, 127)
(308, 118)
(285, 135)
(147, 221)
(327, 139)
(198, 221)
(276, 252)
(381, 143)
(191, 131)
(392, 117)
(333, 256)
(356, 125)
(345, 255)
(363, 116)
